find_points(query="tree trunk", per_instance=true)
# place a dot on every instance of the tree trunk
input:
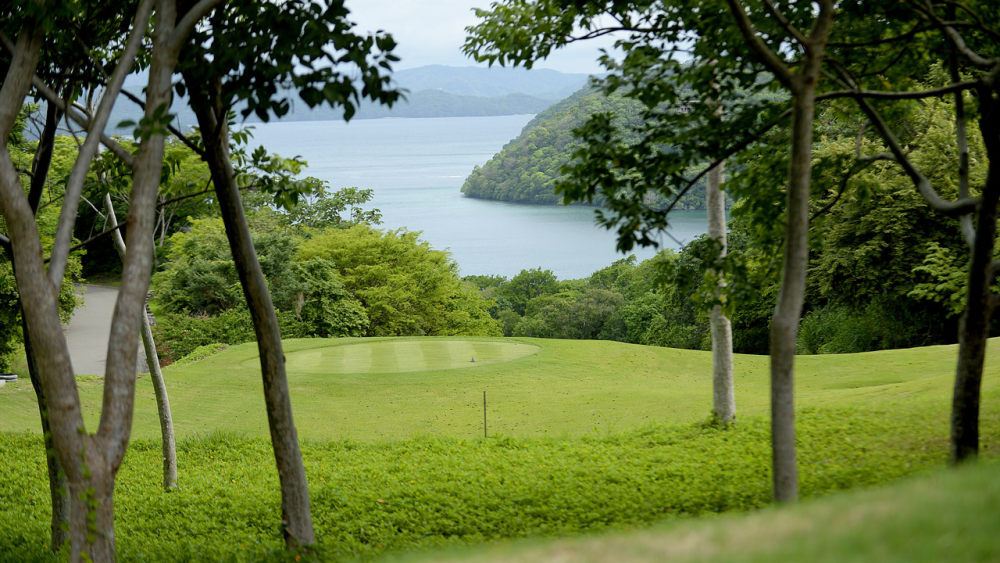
(296, 522)
(58, 486)
(974, 328)
(788, 312)
(723, 394)
(153, 363)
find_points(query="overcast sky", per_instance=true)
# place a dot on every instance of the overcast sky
(432, 32)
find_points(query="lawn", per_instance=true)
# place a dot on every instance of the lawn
(585, 437)
(399, 388)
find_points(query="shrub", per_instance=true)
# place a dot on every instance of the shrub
(178, 334)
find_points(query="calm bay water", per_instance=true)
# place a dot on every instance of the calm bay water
(416, 168)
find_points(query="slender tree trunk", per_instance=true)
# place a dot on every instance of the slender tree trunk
(801, 84)
(788, 312)
(296, 516)
(723, 394)
(58, 486)
(975, 324)
(168, 444)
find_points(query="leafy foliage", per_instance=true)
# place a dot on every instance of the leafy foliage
(259, 47)
(21, 150)
(405, 287)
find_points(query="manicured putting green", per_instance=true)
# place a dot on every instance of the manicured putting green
(396, 356)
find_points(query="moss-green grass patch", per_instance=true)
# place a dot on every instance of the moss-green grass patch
(396, 356)
(369, 498)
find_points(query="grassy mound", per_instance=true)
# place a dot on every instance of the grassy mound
(396, 356)
(560, 388)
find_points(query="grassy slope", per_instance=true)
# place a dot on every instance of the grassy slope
(946, 516)
(567, 388)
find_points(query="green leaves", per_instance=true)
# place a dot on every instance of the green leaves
(406, 287)
(257, 47)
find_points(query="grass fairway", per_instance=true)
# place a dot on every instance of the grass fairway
(399, 388)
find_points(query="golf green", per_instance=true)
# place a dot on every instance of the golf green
(396, 356)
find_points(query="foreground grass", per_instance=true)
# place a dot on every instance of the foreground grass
(358, 389)
(370, 499)
(949, 515)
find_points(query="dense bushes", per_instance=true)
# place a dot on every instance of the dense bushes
(356, 281)
(406, 287)
(629, 301)
(179, 334)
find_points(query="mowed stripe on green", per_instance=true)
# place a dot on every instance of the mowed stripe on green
(397, 388)
(394, 356)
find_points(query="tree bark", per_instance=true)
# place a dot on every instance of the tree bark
(296, 522)
(785, 323)
(723, 394)
(975, 324)
(90, 462)
(58, 486)
(167, 441)
(801, 84)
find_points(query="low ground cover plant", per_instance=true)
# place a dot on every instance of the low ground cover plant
(373, 498)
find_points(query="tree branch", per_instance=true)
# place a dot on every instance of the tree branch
(77, 176)
(784, 23)
(906, 38)
(916, 95)
(962, 142)
(923, 185)
(173, 130)
(81, 120)
(770, 59)
(748, 140)
(956, 39)
(843, 188)
(190, 19)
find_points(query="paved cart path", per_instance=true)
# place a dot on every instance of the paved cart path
(88, 330)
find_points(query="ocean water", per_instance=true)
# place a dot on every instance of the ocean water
(416, 168)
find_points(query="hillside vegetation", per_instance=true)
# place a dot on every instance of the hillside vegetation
(526, 169)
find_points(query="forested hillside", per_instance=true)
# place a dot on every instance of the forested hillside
(527, 168)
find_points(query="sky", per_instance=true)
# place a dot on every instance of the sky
(432, 32)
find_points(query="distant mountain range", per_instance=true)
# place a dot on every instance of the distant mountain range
(433, 91)
(489, 82)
